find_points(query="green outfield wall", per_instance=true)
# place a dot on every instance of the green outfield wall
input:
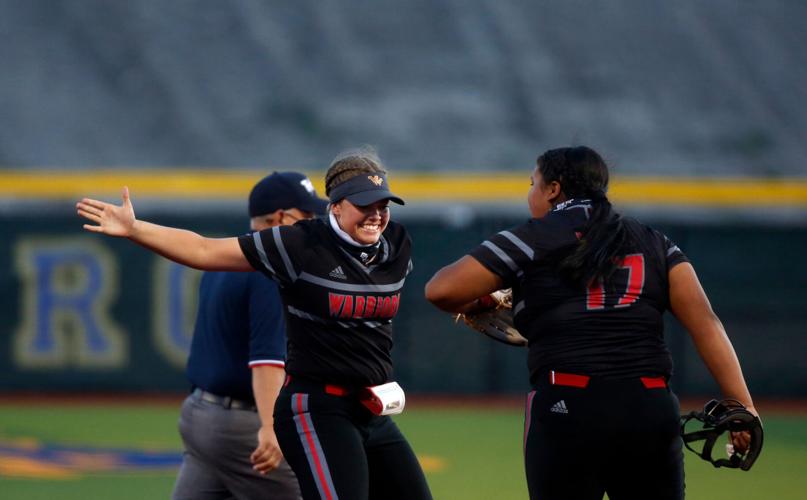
(87, 313)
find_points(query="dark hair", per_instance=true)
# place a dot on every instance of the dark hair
(583, 174)
(351, 163)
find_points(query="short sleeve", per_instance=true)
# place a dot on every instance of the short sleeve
(267, 326)
(274, 252)
(506, 254)
(674, 255)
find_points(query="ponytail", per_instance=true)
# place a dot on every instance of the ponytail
(604, 239)
(583, 174)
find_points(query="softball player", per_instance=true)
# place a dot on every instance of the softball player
(589, 291)
(236, 367)
(340, 280)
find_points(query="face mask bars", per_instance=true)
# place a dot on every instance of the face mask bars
(718, 417)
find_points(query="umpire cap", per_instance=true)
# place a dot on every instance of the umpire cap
(284, 190)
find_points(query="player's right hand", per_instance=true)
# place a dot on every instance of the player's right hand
(109, 219)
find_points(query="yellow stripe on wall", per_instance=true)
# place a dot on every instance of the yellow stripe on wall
(159, 183)
(469, 188)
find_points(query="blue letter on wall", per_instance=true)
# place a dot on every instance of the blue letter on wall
(175, 296)
(67, 287)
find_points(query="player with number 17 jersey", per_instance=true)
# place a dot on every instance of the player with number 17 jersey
(568, 325)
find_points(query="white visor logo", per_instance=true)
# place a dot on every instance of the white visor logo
(307, 185)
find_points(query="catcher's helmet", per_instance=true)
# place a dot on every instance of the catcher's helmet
(718, 417)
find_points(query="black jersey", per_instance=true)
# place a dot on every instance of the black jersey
(338, 311)
(612, 329)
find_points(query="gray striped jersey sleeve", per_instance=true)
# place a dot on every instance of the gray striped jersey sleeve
(506, 254)
(271, 252)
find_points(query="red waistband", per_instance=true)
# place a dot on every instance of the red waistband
(335, 390)
(653, 382)
(581, 381)
(568, 379)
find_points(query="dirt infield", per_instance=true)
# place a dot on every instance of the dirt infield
(421, 401)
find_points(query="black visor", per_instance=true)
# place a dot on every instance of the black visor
(364, 189)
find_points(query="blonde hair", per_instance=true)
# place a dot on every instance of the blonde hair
(350, 163)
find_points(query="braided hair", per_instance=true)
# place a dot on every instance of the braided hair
(583, 174)
(349, 164)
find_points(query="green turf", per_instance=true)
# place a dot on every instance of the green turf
(481, 451)
(470, 454)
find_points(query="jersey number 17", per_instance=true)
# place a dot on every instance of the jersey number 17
(634, 263)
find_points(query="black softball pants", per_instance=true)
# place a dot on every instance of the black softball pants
(339, 449)
(615, 436)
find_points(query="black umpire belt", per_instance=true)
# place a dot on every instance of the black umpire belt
(224, 401)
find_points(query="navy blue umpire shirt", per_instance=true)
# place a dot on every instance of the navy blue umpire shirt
(239, 326)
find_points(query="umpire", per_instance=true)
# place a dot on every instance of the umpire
(236, 367)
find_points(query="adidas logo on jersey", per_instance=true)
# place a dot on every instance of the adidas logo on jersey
(559, 407)
(338, 273)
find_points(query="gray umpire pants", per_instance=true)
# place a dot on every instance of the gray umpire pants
(216, 465)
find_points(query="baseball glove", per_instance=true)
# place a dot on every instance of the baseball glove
(495, 319)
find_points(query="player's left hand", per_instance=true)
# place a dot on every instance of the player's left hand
(267, 455)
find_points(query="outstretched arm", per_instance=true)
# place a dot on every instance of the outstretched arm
(181, 246)
(458, 286)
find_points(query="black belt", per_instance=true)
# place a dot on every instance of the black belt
(224, 401)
